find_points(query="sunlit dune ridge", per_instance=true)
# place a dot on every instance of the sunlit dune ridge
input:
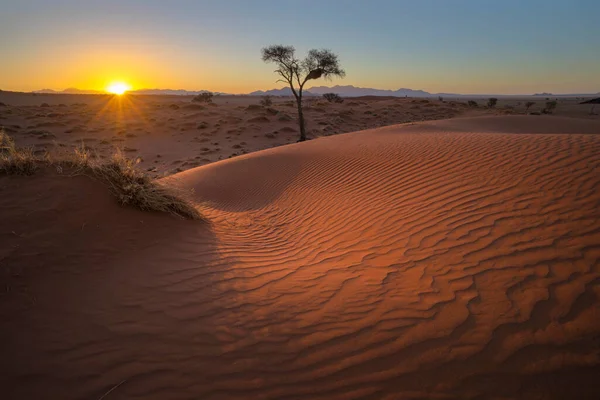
(448, 259)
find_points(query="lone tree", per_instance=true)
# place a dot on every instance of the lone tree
(295, 72)
(528, 105)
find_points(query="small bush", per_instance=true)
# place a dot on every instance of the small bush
(528, 105)
(472, 103)
(131, 186)
(15, 161)
(440, 98)
(134, 188)
(550, 107)
(333, 98)
(266, 101)
(492, 101)
(205, 97)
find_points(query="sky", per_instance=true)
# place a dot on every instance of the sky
(451, 46)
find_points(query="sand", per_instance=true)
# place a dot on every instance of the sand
(454, 259)
(170, 134)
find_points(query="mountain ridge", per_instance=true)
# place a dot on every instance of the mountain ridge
(342, 90)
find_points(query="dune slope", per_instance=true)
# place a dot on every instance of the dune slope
(450, 259)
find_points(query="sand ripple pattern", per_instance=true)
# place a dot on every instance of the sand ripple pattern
(397, 263)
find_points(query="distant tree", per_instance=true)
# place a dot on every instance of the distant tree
(550, 107)
(492, 101)
(205, 97)
(266, 101)
(440, 98)
(528, 105)
(333, 98)
(472, 103)
(295, 72)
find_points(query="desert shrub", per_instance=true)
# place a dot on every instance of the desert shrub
(440, 98)
(492, 101)
(550, 107)
(134, 188)
(333, 98)
(266, 101)
(130, 186)
(528, 105)
(13, 160)
(472, 103)
(205, 97)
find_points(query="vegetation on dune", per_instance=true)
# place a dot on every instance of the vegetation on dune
(206, 97)
(333, 98)
(15, 161)
(266, 101)
(130, 186)
(492, 101)
(550, 107)
(472, 103)
(528, 105)
(295, 72)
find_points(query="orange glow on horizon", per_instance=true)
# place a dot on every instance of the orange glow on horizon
(118, 88)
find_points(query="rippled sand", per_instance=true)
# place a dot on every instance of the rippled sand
(451, 259)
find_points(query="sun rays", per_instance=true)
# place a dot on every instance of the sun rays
(118, 88)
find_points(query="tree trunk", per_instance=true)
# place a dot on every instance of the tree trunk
(301, 120)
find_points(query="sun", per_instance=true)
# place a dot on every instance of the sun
(118, 88)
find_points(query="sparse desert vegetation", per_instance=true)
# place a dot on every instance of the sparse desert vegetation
(528, 105)
(266, 101)
(550, 107)
(333, 98)
(130, 186)
(296, 73)
(15, 161)
(206, 97)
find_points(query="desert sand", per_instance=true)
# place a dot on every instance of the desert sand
(170, 134)
(451, 259)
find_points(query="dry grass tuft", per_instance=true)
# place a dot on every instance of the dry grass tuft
(15, 161)
(134, 188)
(130, 186)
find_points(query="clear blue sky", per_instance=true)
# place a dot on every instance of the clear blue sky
(465, 46)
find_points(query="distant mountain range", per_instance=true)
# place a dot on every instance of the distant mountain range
(345, 91)
(353, 91)
(68, 91)
(286, 91)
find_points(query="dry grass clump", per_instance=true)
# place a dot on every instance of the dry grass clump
(15, 161)
(133, 188)
(130, 186)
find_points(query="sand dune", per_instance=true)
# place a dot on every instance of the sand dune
(449, 259)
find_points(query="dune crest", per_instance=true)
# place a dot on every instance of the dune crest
(449, 259)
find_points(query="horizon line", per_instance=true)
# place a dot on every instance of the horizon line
(97, 91)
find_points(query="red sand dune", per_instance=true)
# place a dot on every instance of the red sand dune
(451, 259)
